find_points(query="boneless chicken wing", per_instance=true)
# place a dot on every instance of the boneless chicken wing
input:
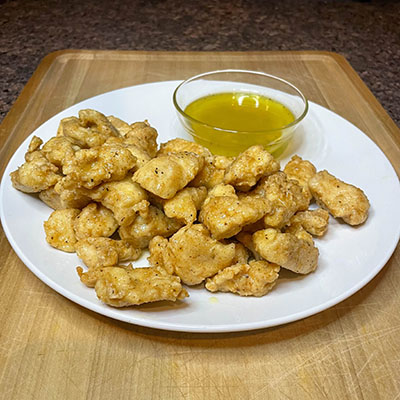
(301, 171)
(95, 220)
(97, 252)
(286, 250)
(123, 287)
(59, 229)
(167, 174)
(314, 222)
(249, 167)
(256, 278)
(193, 255)
(226, 215)
(341, 199)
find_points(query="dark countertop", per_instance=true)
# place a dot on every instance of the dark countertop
(367, 33)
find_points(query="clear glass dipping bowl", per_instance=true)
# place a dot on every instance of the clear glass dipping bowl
(232, 142)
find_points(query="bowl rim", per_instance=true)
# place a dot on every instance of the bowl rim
(243, 71)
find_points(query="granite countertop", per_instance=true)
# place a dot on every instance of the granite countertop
(367, 33)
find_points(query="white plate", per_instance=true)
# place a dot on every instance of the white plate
(349, 257)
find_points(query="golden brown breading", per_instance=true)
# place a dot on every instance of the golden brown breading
(58, 149)
(90, 167)
(149, 222)
(241, 254)
(341, 199)
(313, 221)
(249, 167)
(34, 145)
(122, 127)
(185, 204)
(246, 239)
(144, 136)
(194, 256)
(158, 249)
(97, 252)
(95, 220)
(141, 155)
(226, 215)
(286, 250)
(285, 196)
(301, 171)
(256, 278)
(35, 175)
(180, 145)
(59, 229)
(298, 231)
(122, 287)
(121, 197)
(167, 174)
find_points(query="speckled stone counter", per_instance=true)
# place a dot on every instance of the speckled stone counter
(366, 33)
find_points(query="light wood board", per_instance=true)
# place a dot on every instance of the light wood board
(51, 348)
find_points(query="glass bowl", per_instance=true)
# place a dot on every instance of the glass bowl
(231, 141)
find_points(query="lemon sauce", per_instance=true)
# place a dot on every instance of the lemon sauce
(249, 115)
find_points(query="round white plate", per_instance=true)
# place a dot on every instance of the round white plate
(349, 257)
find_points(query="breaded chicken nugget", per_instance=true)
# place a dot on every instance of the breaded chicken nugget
(249, 167)
(144, 136)
(194, 256)
(180, 145)
(225, 216)
(212, 173)
(256, 278)
(35, 175)
(95, 220)
(141, 155)
(58, 149)
(286, 250)
(122, 287)
(149, 222)
(59, 229)
(301, 171)
(185, 204)
(285, 196)
(341, 199)
(313, 221)
(121, 126)
(120, 197)
(167, 174)
(90, 167)
(97, 252)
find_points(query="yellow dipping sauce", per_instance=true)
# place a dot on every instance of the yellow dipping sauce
(250, 115)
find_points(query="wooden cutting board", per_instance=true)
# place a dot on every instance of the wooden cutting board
(51, 348)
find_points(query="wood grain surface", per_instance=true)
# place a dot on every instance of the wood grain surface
(51, 348)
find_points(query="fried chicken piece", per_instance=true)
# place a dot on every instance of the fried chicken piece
(185, 204)
(181, 145)
(90, 167)
(249, 167)
(123, 287)
(58, 149)
(121, 197)
(241, 254)
(341, 199)
(144, 136)
(301, 171)
(122, 127)
(212, 173)
(313, 221)
(164, 176)
(149, 222)
(192, 254)
(285, 196)
(34, 145)
(95, 220)
(74, 197)
(225, 215)
(59, 229)
(97, 252)
(256, 278)
(286, 250)
(35, 175)
(141, 155)
(91, 129)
